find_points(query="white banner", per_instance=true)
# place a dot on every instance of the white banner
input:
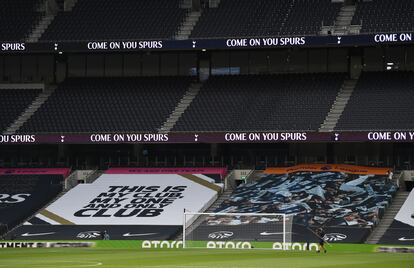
(131, 199)
(406, 213)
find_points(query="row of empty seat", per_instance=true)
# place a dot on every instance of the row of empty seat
(384, 16)
(13, 102)
(262, 102)
(108, 105)
(380, 101)
(289, 102)
(159, 19)
(17, 18)
(108, 19)
(265, 18)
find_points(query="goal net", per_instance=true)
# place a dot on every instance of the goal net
(237, 230)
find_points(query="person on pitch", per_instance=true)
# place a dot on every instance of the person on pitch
(321, 234)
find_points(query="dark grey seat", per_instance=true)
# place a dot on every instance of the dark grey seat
(121, 20)
(380, 101)
(243, 18)
(13, 102)
(262, 103)
(108, 105)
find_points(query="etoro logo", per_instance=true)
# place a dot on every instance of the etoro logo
(89, 235)
(229, 244)
(221, 235)
(294, 246)
(161, 244)
(332, 237)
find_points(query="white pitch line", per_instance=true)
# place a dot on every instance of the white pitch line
(81, 264)
(66, 264)
(89, 265)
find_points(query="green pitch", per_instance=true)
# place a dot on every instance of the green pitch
(200, 258)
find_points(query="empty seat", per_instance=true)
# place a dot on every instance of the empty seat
(13, 102)
(17, 18)
(121, 20)
(246, 18)
(378, 16)
(380, 101)
(108, 105)
(262, 103)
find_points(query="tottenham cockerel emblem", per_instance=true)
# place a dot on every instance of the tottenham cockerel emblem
(220, 235)
(332, 237)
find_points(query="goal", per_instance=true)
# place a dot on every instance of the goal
(237, 230)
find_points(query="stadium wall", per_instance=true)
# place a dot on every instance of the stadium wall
(51, 68)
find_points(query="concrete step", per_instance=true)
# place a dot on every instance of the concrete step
(348, 8)
(336, 112)
(186, 32)
(344, 96)
(342, 24)
(346, 13)
(186, 28)
(330, 121)
(181, 37)
(344, 18)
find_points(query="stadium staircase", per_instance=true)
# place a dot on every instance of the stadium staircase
(187, 25)
(214, 3)
(342, 24)
(338, 106)
(50, 9)
(35, 213)
(28, 113)
(181, 107)
(256, 175)
(94, 175)
(186, 4)
(69, 4)
(389, 215)
(77, 175)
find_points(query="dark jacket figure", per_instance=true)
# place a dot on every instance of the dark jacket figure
(321, 235)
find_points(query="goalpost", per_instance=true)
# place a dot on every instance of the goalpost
(237, 230)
